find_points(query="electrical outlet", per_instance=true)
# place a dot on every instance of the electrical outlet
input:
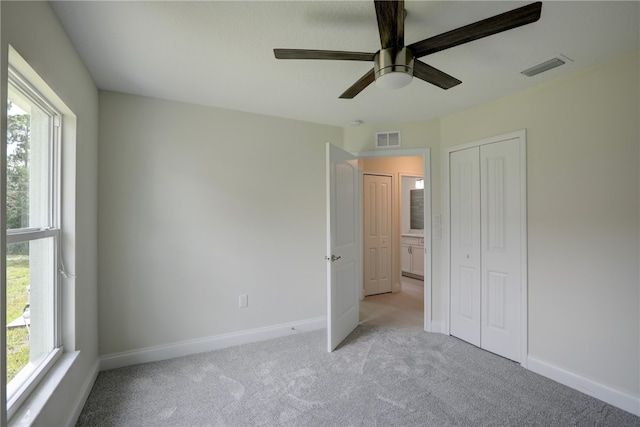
(437, 233)
(243, 301)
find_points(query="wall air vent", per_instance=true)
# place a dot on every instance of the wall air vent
(388, 139)
(546, 66)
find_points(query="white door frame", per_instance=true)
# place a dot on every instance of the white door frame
(446, 230)
(425, 153)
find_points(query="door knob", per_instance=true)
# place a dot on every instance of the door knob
(333, 258)
(467, 256)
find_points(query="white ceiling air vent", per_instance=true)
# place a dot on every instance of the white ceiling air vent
(388, 139)
(546, 66)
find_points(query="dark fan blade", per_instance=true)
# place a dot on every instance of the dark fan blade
(322, 54)
(390, 16)
(359, 86)
(494, 25)
(433, 75)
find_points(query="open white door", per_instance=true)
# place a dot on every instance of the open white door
(344, 245)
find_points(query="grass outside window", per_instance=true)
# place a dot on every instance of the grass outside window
(17, 298)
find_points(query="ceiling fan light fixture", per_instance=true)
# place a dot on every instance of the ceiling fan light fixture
(393, 80)
(393, 68)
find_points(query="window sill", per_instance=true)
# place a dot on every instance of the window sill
(31, 408)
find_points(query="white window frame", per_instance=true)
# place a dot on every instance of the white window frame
(23, 384)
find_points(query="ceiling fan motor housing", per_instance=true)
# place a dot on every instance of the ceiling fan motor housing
(393, 67)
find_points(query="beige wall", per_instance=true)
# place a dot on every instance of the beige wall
(394, 166)
(199, 205)
(424, 134)
(35, 33)
(414, 135)
(583, 215)
(583, 192)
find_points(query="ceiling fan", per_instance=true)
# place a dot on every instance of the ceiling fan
(395, 64)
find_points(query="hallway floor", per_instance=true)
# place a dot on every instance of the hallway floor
(404, 309)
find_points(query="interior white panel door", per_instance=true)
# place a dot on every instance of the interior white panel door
(465, 245)
(501, 247)
(344, 245)
(377, 206)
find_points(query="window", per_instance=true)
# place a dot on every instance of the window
(33, 238)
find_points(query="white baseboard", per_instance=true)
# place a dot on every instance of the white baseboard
(184, 348)
(605, 393)
(437, 326)
(76, 409)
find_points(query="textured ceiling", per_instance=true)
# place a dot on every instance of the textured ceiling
(221, 53)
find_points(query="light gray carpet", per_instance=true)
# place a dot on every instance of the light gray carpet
(380, 376)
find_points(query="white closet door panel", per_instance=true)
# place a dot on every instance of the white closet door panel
(501, 230)
(465, 245)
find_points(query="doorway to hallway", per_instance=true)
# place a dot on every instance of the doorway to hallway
(352, 193)
(403, 309)
(404, 297)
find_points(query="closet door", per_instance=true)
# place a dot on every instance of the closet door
(500, 214)
(486, 246)
(465, 272)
